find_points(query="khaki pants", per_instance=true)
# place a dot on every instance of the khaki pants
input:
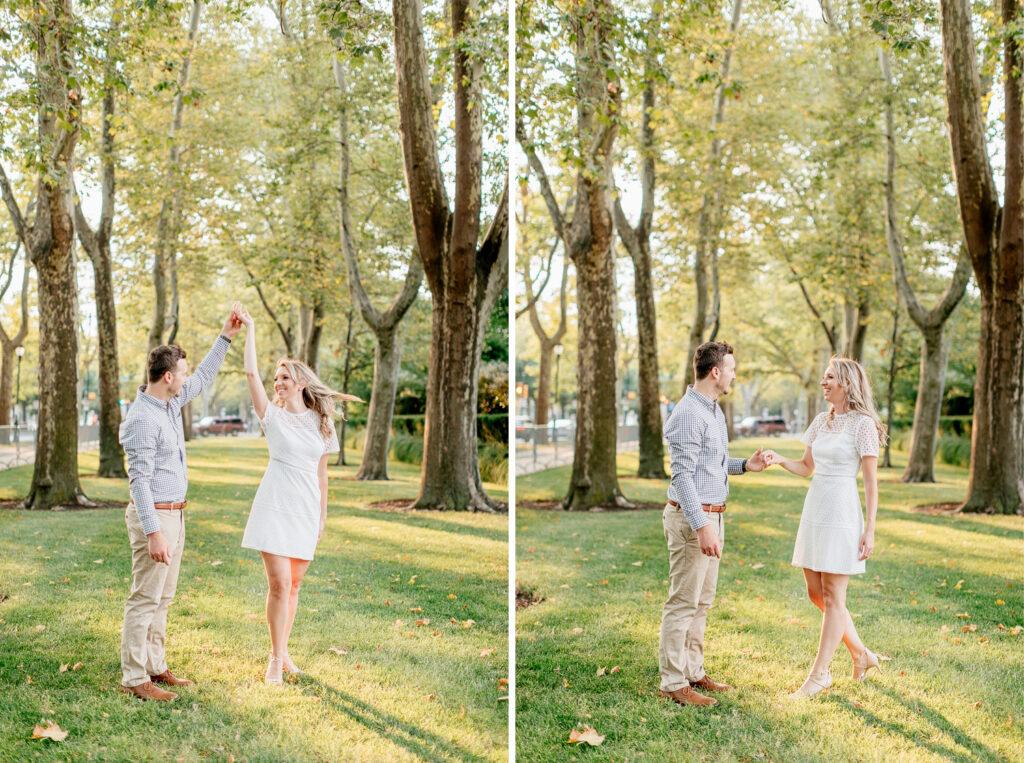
(692, 581)
(153, 586)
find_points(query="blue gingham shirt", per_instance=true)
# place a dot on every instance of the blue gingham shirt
(154, 441)
(698, 444)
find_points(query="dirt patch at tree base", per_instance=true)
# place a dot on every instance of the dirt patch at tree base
(938, 509)
(526, 599)
(557, 506)
(19, 505)
(399, 505)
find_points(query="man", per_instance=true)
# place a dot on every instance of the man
(154, 443)
(694, 523)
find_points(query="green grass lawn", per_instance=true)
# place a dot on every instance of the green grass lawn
(402, 692)
(947, 693)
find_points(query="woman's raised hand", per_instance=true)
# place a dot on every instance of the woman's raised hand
(243, 315)
(769, 457)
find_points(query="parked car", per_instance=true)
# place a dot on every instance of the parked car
(754, 425)
(221, 425)
(524, 428)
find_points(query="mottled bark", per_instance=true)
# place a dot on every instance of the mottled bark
(709, 218)
(995, 241)
(548, 342)
(465, 278)
(165, 254)
(890, 393)
(96, 244)
(637, 241)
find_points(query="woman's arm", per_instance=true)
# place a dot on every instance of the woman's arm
(804, 467)
(321, 473)
(867, 540)
(252, 373)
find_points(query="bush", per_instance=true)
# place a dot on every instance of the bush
(494, 462)
(955, 451)
(407, 448)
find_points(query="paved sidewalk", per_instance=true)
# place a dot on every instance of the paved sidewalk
(530, 460)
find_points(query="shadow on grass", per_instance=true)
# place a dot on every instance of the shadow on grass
(417, 741)
(976, 750)
(434, 523)
(965, 522)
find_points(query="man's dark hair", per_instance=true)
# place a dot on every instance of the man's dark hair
(163, 359)
(708, 356)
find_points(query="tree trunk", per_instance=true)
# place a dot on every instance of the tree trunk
(345, 374)
(891, 389)
(167, 224)
(186, 421)
(934, 356)
(10, 344)
(547, 353)
(387, 356)
(995, 240)
(314, 332)
(464, 278)
(7, 361)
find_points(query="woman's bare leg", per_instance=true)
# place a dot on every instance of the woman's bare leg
(298, 572)
(833, 623)
(850, 637)
(278, 586)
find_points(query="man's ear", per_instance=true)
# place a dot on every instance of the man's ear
(168, 377)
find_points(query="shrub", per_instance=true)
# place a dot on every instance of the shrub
(407, 448)
(955, 451)
(494, 462)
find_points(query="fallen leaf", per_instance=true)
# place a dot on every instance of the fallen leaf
(462, 711)
(64, 667)
(970, 628)
(424, 621)
(944, 629)
(398, 623)
(963, 614)
(415, 609)
(576, 631)
(757, 566)
(429, 697)
(614, 670)
(216, 563)
(585, 734)
(314, 699)
(976, 704)
(338, 651)
(488, 652)
(1000, 602)
(452, 596)
(98, 561)
(413, 579)
(77, 666)
(637, 564)
(468, 623)
(502, 682)
(600, 671)
(50, 731)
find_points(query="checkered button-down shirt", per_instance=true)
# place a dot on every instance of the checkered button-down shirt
(154, 441)
(698, 443)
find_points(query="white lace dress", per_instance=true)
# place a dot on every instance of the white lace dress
(832, 522)
(285, 514)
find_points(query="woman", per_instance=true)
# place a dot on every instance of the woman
(290, 509)
(834, 541)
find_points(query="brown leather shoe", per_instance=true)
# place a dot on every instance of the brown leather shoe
(149, 691)
(709, 685)
(688, 696)
(168, 678)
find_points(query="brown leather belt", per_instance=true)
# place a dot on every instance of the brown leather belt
(170, 506)
(713, 508)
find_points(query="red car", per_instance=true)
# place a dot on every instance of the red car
(221, 425)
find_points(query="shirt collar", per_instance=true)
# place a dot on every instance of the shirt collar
(143, 395)
(707, 402)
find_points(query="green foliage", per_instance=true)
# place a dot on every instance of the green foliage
(407, 448)
(494, 462)
(955, 451)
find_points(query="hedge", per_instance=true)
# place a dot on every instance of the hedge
(490, 427)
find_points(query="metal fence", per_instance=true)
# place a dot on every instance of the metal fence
(553, 444)
(18, 443)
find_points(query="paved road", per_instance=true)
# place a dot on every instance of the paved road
(530, 459)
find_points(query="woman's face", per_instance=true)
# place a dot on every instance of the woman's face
(285, 386)
(834, 393)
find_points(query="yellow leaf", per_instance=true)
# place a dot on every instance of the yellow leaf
(338, 651)
(600, 671)
(488, 652)
(1000, 603)
(50, 731)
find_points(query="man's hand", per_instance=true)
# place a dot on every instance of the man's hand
(232, 325)
(243, 316)
(158, 548)
(710, 545)
(756, 462)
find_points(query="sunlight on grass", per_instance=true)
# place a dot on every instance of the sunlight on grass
(401, 691)
(763, 631)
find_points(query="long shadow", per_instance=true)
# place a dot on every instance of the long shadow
(963, 522)
(432, 523)
(417, 741)
(977, 750)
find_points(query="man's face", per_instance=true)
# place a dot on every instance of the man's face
(726, 374)
(175, 379)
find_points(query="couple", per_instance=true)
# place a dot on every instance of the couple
(288, 512)
(832, 542)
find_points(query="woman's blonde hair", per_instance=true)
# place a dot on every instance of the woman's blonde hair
(316, 395)
(854, 379)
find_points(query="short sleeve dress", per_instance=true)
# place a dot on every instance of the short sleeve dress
(832, 521)
(285, 514)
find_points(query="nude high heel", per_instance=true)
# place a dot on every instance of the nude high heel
(269, 677)
(294, 670)
(815, 684)
(863, 663)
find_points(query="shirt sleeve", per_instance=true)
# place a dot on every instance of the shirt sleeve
(812, 431)
(331, 444)
(735, 465)
(684, 441)
(206, 371)
(138, 438)
(269, 412)
(867, 437)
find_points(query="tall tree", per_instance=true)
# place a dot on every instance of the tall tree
(9, 344)
(707, 311)
(588, 240)
(465, 274)
(994, 238)
(931, 323)
(97, 246)
(637, 241)
(50, 244)
(386, 326)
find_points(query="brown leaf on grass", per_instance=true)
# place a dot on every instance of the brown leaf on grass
(970, 628)
(983, 640)
(614, 670)
(976, 705)
(415, 609)
(336, 650)
(468, 623)
(502, 682)
(963, 614)
(638, 564)
(77, 666)
(462, 711)
(488, 652)
(585, 734)
(398, 623)
(756, 566)
(429, 697)
(424, 621)
(64, 667)
(944, 629)
(1015, 630)
(50, 731)
(576, 631)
